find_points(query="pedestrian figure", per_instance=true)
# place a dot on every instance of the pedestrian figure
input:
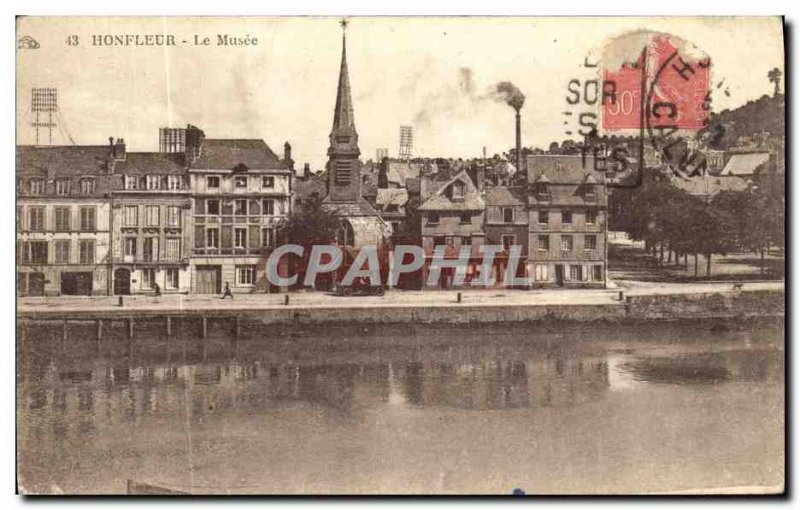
(157, 289)
(227, 292)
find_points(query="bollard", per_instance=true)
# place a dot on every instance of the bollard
(458, 298)
(621, 297)
(120, 301)
(286, 299)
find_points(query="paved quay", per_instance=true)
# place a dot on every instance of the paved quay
(194, 303)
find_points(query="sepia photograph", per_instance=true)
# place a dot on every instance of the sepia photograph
(408, 255)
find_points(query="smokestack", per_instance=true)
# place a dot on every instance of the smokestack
(519, 142)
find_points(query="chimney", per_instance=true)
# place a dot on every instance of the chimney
(287, 155)
(519, 141)
(306, 171)
(119, 150)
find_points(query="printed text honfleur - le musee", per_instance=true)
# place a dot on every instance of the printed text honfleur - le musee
(172, 40)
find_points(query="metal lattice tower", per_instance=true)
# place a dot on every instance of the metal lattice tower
(44, 101)
(406, 142)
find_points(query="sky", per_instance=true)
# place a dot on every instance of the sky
(435, 74)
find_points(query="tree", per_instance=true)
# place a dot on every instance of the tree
(775, 77)
(311, 224)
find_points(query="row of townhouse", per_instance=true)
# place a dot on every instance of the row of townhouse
(558, 218)
(95, 220)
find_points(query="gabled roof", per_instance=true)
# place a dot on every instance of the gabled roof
(502, 195)
(391, 196)
(62, 160)
(140, 163)
(439, 201)
(399, 172)
(562, 169)
(350, 209)
(745, 164)
(225, 154)
(710, 186)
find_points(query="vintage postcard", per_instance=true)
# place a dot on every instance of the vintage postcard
(400, 255)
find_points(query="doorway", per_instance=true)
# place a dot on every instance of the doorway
(207, 280)
(560, 275)
(76, 283)
(122, 282)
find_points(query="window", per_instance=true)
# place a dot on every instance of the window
(240, 207)
(172, 278)
(37, 186)
(245, 275)
(591, 217)
(151, 216)
(466, 241)
(88, 219)
(439, 241)
(212, 207)
(62, 186)
(131, 182)
(458, 190)
(87, 186)
(540, 272)
(212, 238)
(508, 241)
(174, 182)
(240, 238)
(597, 273)
(508, 215)
(433, 218)
(35, 252)
(87, 251)
(153, 182)
(129, 246)
(542, 189)
(131, 216)
(36, 218)
(62, 218)
(62, 250)
(150, 249)
(566, 217)
(240, 181)
(173, 216)
(544, 217)
(212, 182)
(590, 242)
(268, 236)
(466, 218)
(148, 278)
(173, 248)
(566, 243)
(267, 181)
(576, 273)
(544, 243)
(268, 206)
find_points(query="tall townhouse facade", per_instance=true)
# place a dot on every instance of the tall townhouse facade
(453, 216)
(242, 192)
(151, 223)
(567, 224)
(63, 207)
(507, 226)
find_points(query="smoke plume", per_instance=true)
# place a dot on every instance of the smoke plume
(510, 94)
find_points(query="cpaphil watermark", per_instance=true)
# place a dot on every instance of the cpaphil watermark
(368, 266)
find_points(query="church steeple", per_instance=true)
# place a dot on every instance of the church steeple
(343, 120)
(344, 182)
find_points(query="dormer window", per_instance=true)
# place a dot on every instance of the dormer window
(212, 182)
(153, 182)
(37, 186)
(268, 181)
(433, 218)
(62, 186)
(131, 182)
(458, 190)
(87, 186)
(174, 182)
(240, 181)
(508, 215)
